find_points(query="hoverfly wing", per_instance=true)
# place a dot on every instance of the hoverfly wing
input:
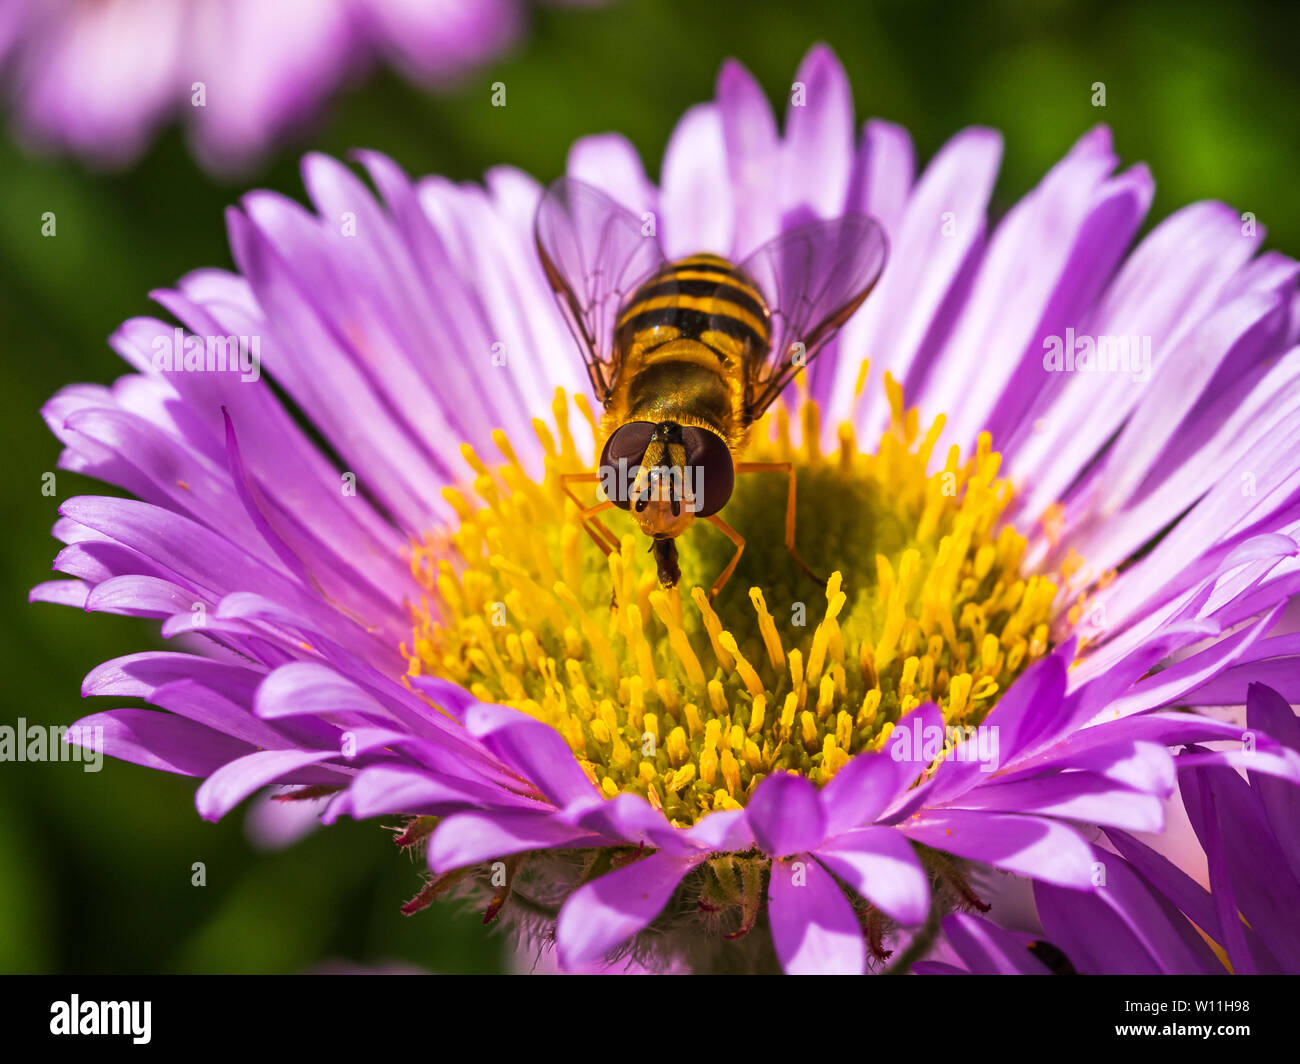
(814, 278)
(594, 254)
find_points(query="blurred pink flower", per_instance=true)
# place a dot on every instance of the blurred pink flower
(98, 79)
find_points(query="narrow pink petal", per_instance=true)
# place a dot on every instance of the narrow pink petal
(1030, 846)
(468, 838)
(785, 813)
(880, 864)
(814, 928)
(609, 910)
(870, 782)
(535, 750)
(236, 780)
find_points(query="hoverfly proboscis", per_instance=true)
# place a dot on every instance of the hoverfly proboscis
(685, 355)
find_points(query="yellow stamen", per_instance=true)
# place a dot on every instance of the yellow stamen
(690, 703)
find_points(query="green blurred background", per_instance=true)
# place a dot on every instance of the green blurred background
(95, 868)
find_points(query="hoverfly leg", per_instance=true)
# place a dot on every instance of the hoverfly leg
(601, 536)
(593, 526)
(735, 538)
(788, 469)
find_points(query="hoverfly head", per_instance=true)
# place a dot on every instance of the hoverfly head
(666, 474)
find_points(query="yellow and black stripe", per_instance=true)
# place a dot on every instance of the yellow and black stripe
(701, 298)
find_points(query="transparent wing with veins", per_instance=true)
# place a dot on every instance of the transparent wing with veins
(814, 278)
(595, 254)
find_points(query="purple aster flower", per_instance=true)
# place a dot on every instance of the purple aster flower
(1151, 916)
(399, 611)
(98, 79)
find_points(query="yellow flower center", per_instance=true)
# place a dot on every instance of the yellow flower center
(692, 703)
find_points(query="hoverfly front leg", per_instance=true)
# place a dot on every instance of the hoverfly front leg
(601, 535)
(788, 469)
(739, 541)
(595, 528)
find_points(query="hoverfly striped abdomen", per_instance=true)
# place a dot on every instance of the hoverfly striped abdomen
(691, 334)
(701, 298)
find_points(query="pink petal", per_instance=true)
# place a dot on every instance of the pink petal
(786, 815)
(609, 910)
(814, 928)
(881, 865)
(1030, 846)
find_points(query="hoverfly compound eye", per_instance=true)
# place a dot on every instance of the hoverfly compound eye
(708, 460)
(621, 458)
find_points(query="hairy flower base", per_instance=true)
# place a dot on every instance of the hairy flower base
(714, 922)
(693, 705)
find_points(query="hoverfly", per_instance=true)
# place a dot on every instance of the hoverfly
(686, 355)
